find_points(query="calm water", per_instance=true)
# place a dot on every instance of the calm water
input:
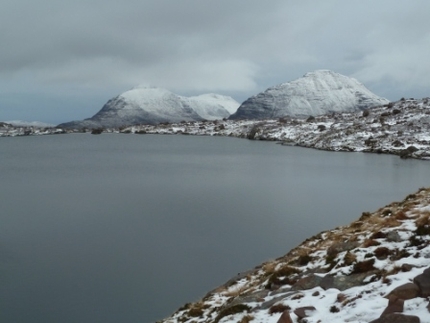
(126, 228)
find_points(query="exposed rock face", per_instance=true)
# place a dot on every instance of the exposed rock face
(316, 93)
(155, 105)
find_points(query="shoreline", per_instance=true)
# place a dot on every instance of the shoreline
(401, 128)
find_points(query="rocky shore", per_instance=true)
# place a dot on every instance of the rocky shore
(401, 128)
(377, 269)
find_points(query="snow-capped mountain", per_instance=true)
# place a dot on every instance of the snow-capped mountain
(151, 105)
(212, 106)
(316, 93)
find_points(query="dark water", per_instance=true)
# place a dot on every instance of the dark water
(126, 228)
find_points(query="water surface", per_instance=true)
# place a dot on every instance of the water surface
(126, 228)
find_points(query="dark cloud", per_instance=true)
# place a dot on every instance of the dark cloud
(95, 48)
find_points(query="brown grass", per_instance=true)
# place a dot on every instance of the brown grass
(370, 243)
(349, 258)
(363, 266)
(246, 319)
(382, 253)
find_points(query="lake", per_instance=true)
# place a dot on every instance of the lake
(127, 228)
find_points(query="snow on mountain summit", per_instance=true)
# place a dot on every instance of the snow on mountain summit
(316, 93)
(153, 105)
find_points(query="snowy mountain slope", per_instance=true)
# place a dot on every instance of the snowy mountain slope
(316, 93)
(212, 106)
(143, 105)
(377, 269)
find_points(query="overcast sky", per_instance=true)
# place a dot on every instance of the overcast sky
(62, 60)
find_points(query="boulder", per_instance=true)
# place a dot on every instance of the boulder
(336, 248)
(395, 305)
(423, 282)
(405, 292)
(285, 318)
(308, 282)
(397, 318)
(406, 267)
(344, 282)
(393, 236)
(305, 311)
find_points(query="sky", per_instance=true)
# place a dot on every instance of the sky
(62, 60)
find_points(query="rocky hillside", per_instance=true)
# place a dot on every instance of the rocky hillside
(316, 93)
(155, 105)
(377, 269)
(401, 128)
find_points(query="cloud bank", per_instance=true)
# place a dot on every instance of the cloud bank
(62, 60)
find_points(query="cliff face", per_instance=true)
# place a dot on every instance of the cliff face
(374, 270)
(316, 93)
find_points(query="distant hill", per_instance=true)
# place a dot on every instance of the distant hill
(21, 123)
(316, 93)
(149, 105)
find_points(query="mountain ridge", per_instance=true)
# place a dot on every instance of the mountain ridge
(153, 105)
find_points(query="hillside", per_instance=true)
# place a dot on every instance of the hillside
(316, 93)
(401, 128)
(363, 272)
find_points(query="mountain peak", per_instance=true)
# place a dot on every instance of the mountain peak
(316, 93)
(153, 105)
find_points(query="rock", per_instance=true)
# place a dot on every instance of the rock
(251, 298)
(308, 282)
(393, 236)
(97, 131)
(412, 149)
(397, 318)
(406, 267)
(273, 301)
(405, 292)
(338, 247)
(423, 282)
(285, 318)
(303, 312)
(395, 305)
(344, 282)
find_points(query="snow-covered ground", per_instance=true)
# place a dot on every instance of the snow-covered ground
(337, 276)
